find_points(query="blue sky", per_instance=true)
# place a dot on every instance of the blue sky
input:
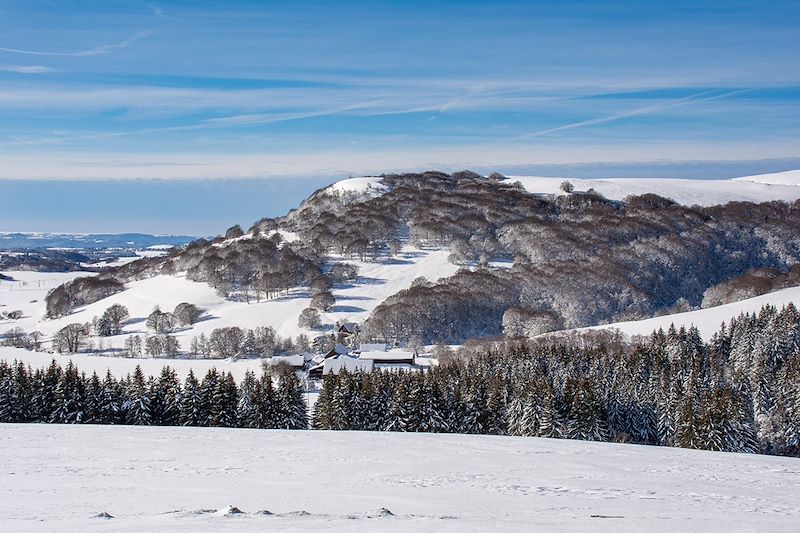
(293, 94)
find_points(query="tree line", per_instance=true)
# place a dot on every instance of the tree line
(67, 396)
(739, 392)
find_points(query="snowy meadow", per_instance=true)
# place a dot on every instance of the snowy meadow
(93, 478)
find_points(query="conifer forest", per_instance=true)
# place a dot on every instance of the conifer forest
(739, 392)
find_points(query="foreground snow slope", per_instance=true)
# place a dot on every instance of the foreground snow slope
(57, 478)
(708, 320)
(762, 188)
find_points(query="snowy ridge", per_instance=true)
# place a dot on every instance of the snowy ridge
(757, 189)
(707, 320)
(213, 479)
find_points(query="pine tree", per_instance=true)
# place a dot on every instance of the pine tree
(587, 420)
(192, 408)
(246, 409)
(94, 400)
(168, 391)
(403, 417)
(531, 415)
(474, 420)
(110, 402)
(266, 403)
(8, 401)
(687, 428)
(138, 411)
(294, 405)
(321, 416)
(23, 392)
(496, 416)
(430, 405)
(208, 391)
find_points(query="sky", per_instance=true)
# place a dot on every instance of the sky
(260, 103)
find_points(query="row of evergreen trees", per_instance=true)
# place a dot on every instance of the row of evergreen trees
(740, 392)
(66, 396)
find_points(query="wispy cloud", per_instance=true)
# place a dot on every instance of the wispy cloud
(156, 10)
(704, 96)
(27, 69)
(98, 50)
(219, 122)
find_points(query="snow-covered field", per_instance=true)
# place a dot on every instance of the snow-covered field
(707, 320)
(790, 177)
(59, 478)
(761, 188)
(354, 301)
(121, 366)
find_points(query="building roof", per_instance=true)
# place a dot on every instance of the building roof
(372, 347)
(391, 355)
(345, 362)
(349, 327)
(339, 349)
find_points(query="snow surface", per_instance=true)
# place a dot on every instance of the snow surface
(121, 366)
(76, 478)
(764, 188)
(354, 301)
(369, 187)
(707, 320)
(790, 177)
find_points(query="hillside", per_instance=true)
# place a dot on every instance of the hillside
(761, 188)
(354, 300)
(444, 258)
(346, 481)
(707, 321)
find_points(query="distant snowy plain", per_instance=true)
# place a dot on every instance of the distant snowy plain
(762, 188)
(60, 478)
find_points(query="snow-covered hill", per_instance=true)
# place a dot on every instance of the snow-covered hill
(354, 301)
(377, 280)
(357, 188)
(762, 188)
(93, 478)
(707, 320)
